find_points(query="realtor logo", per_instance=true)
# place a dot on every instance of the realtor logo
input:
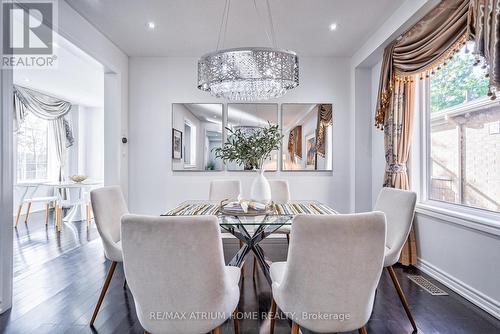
(28, 34)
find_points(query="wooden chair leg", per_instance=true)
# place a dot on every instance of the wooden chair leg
(295, 328)
(362, 330)
(272, 316)
(46, 214)
(146, 332)
(103, 291)
(27, 213)
(216, 331)
(59, 219)
(18, 213)
(87, 214)
(402, 296)
(236, 321)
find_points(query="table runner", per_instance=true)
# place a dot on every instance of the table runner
(200, 209)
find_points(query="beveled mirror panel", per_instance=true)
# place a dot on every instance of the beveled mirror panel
(196, 131)
(307, 141)
(248, 117)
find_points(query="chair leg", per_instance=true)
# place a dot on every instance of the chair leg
(18, 213)
(272, 316)
(295, 328)
(27, 213)
(362, 330)
(216, 330)
(58, 219)
(46, 214)
(402, 296)
(87, 214)
(103, 291)
(236, 321)
(288, 238)
(146, 332)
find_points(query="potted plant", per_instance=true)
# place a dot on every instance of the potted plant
(251, 149)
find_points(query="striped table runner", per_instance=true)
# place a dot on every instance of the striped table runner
(200, 209)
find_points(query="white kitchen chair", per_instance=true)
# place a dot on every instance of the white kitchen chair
(333, 269)
(177, 264)
(28, 197)
(109, 206)
(224, 189)
(399, 207)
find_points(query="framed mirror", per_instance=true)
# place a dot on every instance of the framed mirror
(248, 117)
(307, 141)
(196, 131)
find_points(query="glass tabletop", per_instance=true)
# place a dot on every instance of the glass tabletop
(276, 213)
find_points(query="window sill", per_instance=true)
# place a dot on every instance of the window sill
(488, 222)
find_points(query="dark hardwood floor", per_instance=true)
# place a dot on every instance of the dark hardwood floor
(57, 279)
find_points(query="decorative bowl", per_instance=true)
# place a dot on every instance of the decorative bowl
(78, 178)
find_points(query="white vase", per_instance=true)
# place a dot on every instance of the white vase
(261, 190)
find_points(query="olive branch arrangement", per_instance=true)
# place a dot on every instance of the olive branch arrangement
(250, 148)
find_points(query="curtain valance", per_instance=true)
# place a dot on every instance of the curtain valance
(424, 48)
(45, 107)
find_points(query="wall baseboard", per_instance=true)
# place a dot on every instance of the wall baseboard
(474, 296)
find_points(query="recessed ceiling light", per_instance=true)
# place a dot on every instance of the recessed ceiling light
(151, 25)
(333, 26)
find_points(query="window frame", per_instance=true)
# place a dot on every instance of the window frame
(49, 156)
(460, 213)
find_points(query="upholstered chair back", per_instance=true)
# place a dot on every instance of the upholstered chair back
(399, 207)
(109, 206)
(224, 189)
(176, 264)
(280, 191)
(333, 268)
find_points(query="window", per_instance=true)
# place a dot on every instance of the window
(32, 149)
(463, 136)
(189, 144)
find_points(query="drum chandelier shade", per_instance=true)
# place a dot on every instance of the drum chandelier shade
(248, 73)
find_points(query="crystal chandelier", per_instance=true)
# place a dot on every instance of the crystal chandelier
(249, 73)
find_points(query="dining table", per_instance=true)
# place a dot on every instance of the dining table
(77, 212)
(252, 228)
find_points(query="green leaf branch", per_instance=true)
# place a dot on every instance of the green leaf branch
(250, 149)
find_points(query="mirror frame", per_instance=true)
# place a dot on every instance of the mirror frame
(223, 119)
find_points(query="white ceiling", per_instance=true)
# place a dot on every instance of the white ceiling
(190, 27)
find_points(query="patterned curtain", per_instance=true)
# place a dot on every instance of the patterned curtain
(295, 142)
(422, 50)
(324, 121)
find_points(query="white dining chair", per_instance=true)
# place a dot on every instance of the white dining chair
(333, 268)
(224, 189)
(399, 207)
(221, 190)
(28, 197)
(109, 206)
(177, 264)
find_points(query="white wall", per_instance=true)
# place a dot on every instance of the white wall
(84, 35)
(377, 138)
(156, 83)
